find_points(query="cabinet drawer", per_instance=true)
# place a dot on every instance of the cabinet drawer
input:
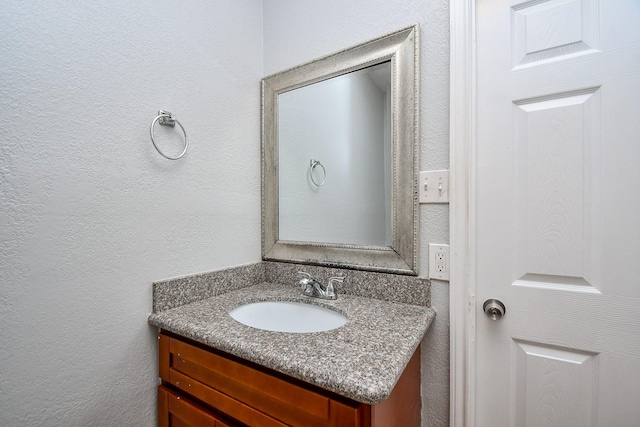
(176, 411)
(246, 393)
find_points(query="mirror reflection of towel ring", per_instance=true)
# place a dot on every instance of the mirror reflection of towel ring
(313, 164)
(165, 118)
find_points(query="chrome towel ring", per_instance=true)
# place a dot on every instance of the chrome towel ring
(313, 163)
(165, 118)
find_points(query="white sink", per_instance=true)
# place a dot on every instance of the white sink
(286, 316)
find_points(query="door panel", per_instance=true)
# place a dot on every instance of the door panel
(555, 138)
(545, 31)
(558, 212)
(553, 383)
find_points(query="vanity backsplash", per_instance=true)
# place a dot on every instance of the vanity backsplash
(172, 293)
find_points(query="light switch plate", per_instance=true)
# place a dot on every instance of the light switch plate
(438, 261)
(433, 186)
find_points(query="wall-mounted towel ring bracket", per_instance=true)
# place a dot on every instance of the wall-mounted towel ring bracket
(165, 118)
(313, 163)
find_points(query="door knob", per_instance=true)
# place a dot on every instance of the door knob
(494, 309)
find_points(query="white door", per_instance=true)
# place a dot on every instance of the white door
(558, 212)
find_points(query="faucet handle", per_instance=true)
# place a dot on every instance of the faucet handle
(330, 284)
(305, 282)
(305, 274)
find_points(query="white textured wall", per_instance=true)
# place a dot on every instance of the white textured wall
(297, 31)
(90, 214)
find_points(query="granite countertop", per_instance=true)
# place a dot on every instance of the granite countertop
(362, 360)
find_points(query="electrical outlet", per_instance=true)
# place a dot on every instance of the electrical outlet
(438, 261)
(441, 262)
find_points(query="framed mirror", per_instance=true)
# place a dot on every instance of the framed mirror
(340, 160)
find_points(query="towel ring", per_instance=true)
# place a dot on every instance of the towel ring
(313, 163)
(165, 118)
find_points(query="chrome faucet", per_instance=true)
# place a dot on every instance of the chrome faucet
(312, 288)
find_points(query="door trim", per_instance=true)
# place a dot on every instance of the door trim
(462, 213)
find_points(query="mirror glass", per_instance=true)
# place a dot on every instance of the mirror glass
(334, 140)
(339, 158)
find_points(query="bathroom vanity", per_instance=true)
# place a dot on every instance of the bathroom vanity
(217, 371)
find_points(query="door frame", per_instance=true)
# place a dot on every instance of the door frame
(462, 212)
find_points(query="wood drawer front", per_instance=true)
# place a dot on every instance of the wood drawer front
(229, 385)
(223, 403)
(232, 377)
(176, 411)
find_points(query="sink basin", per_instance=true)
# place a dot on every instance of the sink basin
(287, 316)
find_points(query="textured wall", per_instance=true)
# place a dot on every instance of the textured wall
(297, 31)
(90, 214)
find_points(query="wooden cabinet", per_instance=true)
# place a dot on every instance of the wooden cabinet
(202, 386)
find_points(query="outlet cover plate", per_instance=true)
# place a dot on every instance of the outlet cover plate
(438, 261)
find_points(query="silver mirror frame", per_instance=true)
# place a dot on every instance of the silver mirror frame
(402, 49)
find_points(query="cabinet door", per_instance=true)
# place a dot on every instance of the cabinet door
(176, 411)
